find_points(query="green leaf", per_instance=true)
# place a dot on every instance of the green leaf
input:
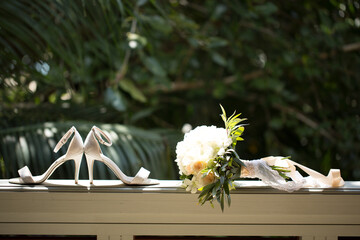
(219, 11)
(226, 188)
(228, 199)
(217, 58)
(207, 197)
(239, 139)
(216, 188)
(154, 66)
(214, 42)
(129, 87)
(158, 23)
(206, 189)
(184, 22)
(223, 115)
(238, 161)
(140, 3)
(222, 179)
(218, 196)
(222, 201)
(115, 99)
(240, 129)
(266, 9)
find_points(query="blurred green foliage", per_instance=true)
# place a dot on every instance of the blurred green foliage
(291, 67)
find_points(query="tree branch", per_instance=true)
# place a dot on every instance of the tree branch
(184, 86)
(122, 71)
(309, 122)
(346, 48)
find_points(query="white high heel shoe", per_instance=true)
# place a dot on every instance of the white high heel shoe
(74, 152)
(93, 152)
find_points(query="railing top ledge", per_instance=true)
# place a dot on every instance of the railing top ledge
(165, 186)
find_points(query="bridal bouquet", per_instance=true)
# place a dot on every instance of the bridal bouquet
(208, 163)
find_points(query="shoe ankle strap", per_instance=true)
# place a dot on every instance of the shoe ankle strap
(64, 139)
(99, 133)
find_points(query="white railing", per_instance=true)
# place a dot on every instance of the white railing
(110, 210)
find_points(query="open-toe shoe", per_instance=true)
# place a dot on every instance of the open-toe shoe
(93, 152)
(74, 152)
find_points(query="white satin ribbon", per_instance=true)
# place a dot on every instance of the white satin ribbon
(315, 179)
(261, 169)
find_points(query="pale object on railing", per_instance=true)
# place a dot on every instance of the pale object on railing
(261, 169)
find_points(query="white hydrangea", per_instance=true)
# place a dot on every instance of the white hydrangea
(200, 146)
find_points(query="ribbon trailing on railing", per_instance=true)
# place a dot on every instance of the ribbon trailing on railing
(262, 169)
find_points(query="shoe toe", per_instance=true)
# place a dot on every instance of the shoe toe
(151, 181)
(16, 181)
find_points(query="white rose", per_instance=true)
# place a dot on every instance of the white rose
(200, 146)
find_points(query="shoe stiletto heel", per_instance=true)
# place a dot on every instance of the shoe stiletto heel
(77, 161)
(90, 163)
(93, 152)
(74, 152)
